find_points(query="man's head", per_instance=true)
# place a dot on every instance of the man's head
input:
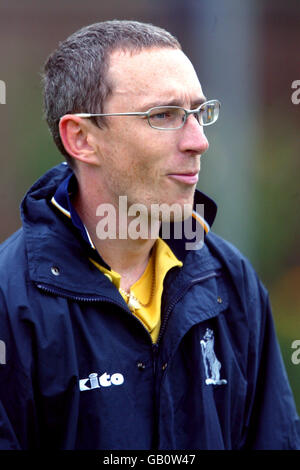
(126, 67)
(75, 75)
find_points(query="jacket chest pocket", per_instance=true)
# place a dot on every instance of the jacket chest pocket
(204, 389)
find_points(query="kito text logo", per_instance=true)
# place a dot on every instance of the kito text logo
(105, 380)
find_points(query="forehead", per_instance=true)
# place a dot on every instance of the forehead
(159, 74)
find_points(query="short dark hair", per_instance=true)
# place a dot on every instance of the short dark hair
(75, 74)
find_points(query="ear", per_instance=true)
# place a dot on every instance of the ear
(76, 136)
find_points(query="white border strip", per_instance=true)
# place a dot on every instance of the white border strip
(202, 221)
(89, 238)
(64, 211)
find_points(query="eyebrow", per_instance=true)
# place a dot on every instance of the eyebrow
(173, 102)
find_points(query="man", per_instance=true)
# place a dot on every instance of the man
(122, 338)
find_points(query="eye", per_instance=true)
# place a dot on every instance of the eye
(162, 115)
(167, 117)
(197, 115)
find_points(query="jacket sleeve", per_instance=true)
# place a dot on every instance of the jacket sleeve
(8, 439)
(17, 411)
(272, 421)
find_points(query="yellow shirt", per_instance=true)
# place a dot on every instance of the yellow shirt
(146, 292)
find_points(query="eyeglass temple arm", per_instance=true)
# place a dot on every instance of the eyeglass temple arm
(87, 115)
(137, 113)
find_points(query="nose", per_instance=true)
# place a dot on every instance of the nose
(193, 140)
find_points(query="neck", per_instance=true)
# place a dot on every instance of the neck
(127, 256)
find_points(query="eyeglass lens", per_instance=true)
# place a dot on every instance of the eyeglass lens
(174, 118)
(209, 113)
(167, 118)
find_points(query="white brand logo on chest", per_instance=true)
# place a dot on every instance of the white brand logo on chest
(211, 364)
(105, 380)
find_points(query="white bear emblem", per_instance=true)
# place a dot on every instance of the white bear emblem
(211, 364)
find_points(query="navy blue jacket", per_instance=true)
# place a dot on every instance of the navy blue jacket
(79, 371)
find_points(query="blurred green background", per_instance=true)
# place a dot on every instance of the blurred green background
(247, 55)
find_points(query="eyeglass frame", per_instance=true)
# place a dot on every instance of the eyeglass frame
(188, 112)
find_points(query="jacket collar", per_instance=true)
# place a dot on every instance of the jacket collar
(191, 233)
(53, 238)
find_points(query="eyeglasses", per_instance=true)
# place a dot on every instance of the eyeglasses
(171, 117)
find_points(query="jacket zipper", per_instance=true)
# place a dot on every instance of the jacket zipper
(155, 346)
(68, 295)
(181, 294)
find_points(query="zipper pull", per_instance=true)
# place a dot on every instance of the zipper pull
(155, 356)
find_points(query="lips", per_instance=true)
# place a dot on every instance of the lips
(186, 178)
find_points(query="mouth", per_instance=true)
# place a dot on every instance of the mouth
(186, 178)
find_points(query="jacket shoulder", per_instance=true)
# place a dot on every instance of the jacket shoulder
(239, 268)
(13, 242)
(12, 254)
(224, 248)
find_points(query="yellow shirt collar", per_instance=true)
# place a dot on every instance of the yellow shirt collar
(150, 284)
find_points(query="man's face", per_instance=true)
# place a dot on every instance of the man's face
(147, 165)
